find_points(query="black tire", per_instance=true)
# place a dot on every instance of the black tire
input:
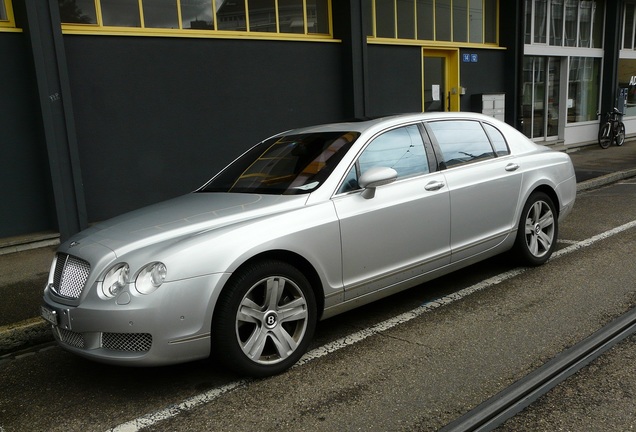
(264, 319)
(620, 136)
(538, 230)
(605, 135)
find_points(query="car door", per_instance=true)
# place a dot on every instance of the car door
(484, 183)
(402, 232)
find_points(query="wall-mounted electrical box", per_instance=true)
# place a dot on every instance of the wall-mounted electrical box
(491, 104)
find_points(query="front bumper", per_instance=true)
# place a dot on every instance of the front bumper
(171, 325)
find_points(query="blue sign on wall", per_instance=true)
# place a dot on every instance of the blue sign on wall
(470, 58)
(466, 58)
(473, 58)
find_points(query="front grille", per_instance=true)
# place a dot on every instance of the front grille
(70, 276)
(71, 338)
(131, 342)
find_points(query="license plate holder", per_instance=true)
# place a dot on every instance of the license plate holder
(49, 315)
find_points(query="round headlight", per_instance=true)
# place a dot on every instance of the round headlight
(115, 280)
(151, 277)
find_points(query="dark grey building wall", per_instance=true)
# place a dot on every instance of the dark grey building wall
(25, 192)
(395, 79)
(484, 76)
(157, 117)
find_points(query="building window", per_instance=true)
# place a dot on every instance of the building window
(569, 23)
(627, 85)
(241, 17)
(628, 26)
(6, 15)
(583, 88)
(460, 21)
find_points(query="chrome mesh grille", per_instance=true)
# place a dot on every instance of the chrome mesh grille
(131, 342)
(70, 276)
(71, 338)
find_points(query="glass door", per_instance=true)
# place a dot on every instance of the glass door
(540, 105)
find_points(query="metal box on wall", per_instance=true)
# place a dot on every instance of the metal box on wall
(491, 104)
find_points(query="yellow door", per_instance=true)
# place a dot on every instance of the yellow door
(440, 80)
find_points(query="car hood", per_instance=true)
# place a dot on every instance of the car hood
(183, 216)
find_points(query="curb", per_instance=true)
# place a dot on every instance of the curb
(34, 331)
(605, 180)
(23, 335)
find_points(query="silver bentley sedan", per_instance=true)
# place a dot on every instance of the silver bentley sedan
(305, 225)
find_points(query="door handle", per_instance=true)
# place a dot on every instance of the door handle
(434, 185)
(512, 167)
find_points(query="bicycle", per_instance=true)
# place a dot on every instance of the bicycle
(613, 130)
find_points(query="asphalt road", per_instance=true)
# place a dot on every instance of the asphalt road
(412, 362)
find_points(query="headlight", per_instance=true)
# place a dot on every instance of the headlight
(115, 280)
(151, 277)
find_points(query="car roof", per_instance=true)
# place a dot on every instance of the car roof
(383, 122)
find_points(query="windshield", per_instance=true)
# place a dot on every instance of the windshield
(287, 165)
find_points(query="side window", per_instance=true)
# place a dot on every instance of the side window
(461, 141)
(401, 149)
(497, 139)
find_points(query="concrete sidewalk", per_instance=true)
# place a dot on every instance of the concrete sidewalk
(24, 265)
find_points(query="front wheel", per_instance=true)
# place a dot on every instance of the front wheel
(605, 135)
(620, 135)
(538, 230)
(264, 319)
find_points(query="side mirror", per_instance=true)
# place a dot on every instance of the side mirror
(374, 177)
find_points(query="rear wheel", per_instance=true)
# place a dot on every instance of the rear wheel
(538, 230)
(264, 319)
(604, 135)
(620, 136)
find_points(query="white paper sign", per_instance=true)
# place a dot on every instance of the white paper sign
(435, 91)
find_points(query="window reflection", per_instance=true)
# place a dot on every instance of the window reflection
(197, 15)
(257, 16)
(401, 149)
(476, 19)
(425, 24)
(263, 16)
(230, 15)
(497, 139)
(473, 21)
(121, 13)
(318, 16)
(462, 142)
(291, 16)
(385, 18)
(288, 164)
(571, 23)
(161, 13)
(443, 20)
(460, 21)
(406, 19)
(583, 89)
(76, 11)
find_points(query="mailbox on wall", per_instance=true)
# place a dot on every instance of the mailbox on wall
(492, 104)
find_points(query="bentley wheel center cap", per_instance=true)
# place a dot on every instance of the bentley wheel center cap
(271, 320)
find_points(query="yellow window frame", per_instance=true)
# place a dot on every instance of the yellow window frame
(441, 43)
(8, 24)
(142, 30)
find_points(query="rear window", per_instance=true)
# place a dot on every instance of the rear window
(461, 141)
(497, 139)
